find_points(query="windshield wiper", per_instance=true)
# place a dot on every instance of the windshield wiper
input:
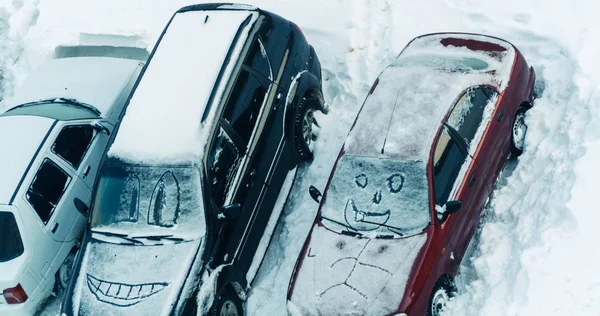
(160, 237)
(60, 100)
(122, 236)
(393, 229)
(350, 232)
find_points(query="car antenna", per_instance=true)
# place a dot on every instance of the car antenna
(390, 123)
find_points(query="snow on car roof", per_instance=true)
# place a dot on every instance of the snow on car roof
(20, 138)
(97, 81)
(401, 117)
(162, 121)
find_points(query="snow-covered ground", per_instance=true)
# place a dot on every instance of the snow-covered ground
(536, 251)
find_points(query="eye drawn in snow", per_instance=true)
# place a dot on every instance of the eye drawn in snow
(164, 203)
(122, 294)
(373, 219)
(356, 263)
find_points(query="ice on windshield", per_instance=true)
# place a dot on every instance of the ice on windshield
(149, 201)
(377, 196)
(452, 63)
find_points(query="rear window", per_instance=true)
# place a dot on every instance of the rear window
(11, 245)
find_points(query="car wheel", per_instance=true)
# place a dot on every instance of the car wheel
(442, 291)
(518, 133)
(227, 304)
(305, 127)
(65, 272)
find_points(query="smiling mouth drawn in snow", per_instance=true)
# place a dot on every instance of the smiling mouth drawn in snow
(361, 220)
(122, 294)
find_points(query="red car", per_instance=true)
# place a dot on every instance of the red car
(408, 187)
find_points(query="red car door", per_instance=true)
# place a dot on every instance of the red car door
(455, 178)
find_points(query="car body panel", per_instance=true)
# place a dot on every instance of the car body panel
(113, 277)
(26, 134)
(70, 78)
(405, 88)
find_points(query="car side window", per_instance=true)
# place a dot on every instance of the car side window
(244, 104)
(470, 112)
(72, 143)
(448, 159)
(223, 162)
(46, 189)
(257, 59)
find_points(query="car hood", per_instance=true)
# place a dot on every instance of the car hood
(116, 279)
(345, 275)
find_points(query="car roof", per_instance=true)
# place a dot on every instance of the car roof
(184, 73)
(412, 95)
(20, 138)
(98, 81)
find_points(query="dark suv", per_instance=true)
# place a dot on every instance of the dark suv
(201, 165)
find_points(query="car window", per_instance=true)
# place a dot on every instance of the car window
(10, 238)
(46, 189)
(244, 104)
(223, 163)
(257, 59)
(447, 162)
(470, 115)
(72, 143)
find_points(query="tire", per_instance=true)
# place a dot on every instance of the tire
(227, 303)
(304, 122)
(65, 272)
(518, 133)
(442, 292)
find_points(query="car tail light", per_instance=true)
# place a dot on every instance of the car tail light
(15, 295)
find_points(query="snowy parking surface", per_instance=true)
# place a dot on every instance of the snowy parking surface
(536, 252)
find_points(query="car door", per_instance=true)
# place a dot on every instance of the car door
(51, 194)
(82, 146)
(454, 179)
(236, 135)
(472, 120)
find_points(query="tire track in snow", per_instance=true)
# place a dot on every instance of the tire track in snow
(346, 80)
(528, 211)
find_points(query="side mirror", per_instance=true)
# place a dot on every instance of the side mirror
(450, 207)
(81, 207)
(100, 128)
(453, 207)
(315, 194)
(231, 211)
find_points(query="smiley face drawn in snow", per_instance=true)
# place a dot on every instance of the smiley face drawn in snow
(365, 210)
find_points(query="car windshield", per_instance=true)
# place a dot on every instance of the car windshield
(452, 63)
(377, 196)
(11, 245)
(149, 202)
(54, 110)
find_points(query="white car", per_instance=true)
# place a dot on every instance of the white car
(53, 137)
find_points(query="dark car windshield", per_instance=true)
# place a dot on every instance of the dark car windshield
(380, 196)
(11, 245)
(149, 201)
(54, 110)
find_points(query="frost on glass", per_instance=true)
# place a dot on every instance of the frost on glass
(149, 200)
(164, 204)
(223, 162)
(129, 200)
(377, 195)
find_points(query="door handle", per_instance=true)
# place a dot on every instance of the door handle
(250, 178)
(54, 228)
(472, 181)
(87, 171)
